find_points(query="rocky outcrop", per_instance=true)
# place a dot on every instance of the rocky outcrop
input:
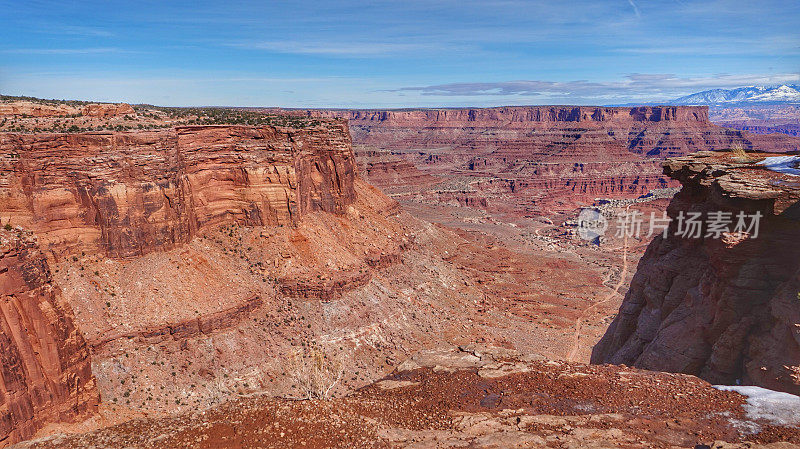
(107, 110)
(203, 325)
(45, 374)
(35, 109)
(130, 193)
(725, 309)
(473, 396)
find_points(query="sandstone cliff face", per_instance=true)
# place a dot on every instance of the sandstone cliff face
(727, 310)
(556, 157)
(56, 110)
(520, 115)
(127, 194)
(107, 110)
(553, 131)
(45, 374)
(35, 109)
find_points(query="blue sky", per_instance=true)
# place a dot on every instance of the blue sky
(395, 53)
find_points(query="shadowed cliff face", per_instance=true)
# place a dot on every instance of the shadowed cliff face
(128, 194)
(724, 309)
(45, 374)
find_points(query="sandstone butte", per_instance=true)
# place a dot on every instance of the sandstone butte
(125, 195)
(534, 159)
(34, 109)
(724, 309)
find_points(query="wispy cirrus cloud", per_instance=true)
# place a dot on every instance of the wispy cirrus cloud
(64, 51)
(330, 48)
(635, 8)
(633, 86)
(83, 31)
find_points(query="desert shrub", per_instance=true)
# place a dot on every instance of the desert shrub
(739, 153)
(316, 373)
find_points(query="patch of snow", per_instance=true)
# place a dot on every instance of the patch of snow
(776, 407)
(782, 93)
(789, 165)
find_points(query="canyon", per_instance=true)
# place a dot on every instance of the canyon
(193, 261)
(200, 263)
(528, 161)
(760, 119)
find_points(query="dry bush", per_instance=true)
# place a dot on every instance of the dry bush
(739, 153)
(316, 373)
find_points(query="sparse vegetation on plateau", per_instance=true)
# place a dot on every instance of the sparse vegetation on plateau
(147, 117)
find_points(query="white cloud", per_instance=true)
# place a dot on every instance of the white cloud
(653, 87)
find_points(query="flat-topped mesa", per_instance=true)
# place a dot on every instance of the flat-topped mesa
(521, 116)
(722, 307)
(39, 109)
(553, 158)
(45, 375)
(543, 133)
(515, 137)
(130, 193)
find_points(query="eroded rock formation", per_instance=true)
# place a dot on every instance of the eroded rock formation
(725, 309)
(45, 375)
(127, 194)
(37, 109)
(533, 159)
(107, 109)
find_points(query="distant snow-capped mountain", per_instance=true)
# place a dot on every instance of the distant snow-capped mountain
(751, 94)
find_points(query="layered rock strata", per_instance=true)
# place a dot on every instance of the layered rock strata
(725, 309)
(45, 375)
(130, 193)
(533, 159)
(33, 109)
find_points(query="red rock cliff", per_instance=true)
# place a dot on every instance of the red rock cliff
(573, 153)
(127, 194)
(45, 375)
(530, 130)
(33, 109)
(520, 116)
(727, 310)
